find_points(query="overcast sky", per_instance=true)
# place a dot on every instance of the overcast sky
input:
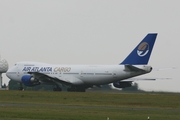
(92, 32)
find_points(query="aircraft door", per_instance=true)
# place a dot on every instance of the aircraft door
(114, 74)
(18, 71)
(82, 74)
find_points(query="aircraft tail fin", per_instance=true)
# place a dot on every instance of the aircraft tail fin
(141, 54)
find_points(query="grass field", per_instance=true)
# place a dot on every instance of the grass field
(33, 105)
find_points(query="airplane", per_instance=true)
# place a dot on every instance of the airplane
(78, 78)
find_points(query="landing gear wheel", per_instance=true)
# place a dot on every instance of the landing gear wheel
(69, 89)
(21, 88)
(57, 89)
(75, 89)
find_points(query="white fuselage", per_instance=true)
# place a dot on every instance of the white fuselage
(75, 74)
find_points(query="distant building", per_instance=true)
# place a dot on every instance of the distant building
(3, 69)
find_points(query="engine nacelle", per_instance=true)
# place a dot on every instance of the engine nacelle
(29, 80)
(122, 84)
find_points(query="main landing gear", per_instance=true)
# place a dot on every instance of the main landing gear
(76, 89)
(57, 88)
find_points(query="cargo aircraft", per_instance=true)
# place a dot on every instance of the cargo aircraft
(80, 77)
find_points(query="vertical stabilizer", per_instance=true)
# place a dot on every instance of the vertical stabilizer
(141, 54)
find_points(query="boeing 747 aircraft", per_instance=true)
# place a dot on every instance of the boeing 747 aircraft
(80, 77)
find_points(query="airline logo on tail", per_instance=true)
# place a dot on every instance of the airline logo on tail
(143, 49)
(142, 52)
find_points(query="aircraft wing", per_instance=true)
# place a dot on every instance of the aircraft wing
(138, 79)
(49, 78)
(143, 79)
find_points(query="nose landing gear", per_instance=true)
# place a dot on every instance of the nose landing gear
(21, 87)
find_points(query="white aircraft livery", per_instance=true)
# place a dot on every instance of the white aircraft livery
(80, 77)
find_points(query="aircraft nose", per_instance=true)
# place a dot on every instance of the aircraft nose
(10, 73)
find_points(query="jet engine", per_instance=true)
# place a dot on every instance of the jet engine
(29, 80)
(122, 84)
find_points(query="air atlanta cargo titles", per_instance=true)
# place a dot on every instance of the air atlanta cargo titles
(46, 69)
